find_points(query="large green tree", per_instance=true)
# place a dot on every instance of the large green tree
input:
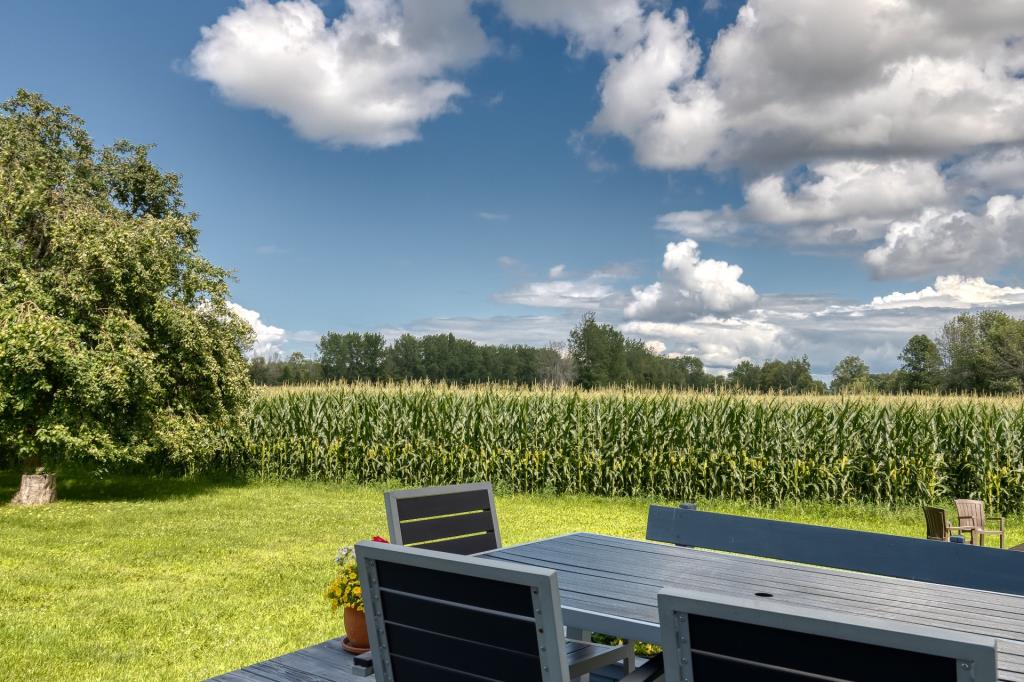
(851, 374)
(921, 368)
(116, 341)
(598, 353)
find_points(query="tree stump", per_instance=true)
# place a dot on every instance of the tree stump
(36, 489)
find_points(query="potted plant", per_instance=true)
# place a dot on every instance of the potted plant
(346, 593)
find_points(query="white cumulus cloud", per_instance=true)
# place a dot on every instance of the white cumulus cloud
(793, 81)
(589, 25)
(269, 339)
(691, 285)
(370, 77)
(952, 291)
(958, 241)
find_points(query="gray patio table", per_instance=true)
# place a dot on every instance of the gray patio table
(611, 584)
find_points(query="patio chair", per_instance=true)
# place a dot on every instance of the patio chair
(937, 528)
(972, 513)
(459, 519)
(712, 637)
(437, 617)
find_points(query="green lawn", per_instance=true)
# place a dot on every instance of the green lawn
(136, 578)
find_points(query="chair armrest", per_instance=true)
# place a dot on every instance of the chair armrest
(651, 671)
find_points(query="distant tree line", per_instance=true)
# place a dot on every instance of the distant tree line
(596, 355)
(976, 353)
(979, 352)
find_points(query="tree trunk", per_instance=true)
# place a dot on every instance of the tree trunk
(36, 489)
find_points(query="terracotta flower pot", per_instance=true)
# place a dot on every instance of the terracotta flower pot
(356, 636)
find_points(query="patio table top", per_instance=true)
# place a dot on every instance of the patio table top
(611, 584)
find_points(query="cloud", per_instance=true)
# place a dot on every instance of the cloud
(718, 342)
(704, 224)
(487, 215)
(269, 339)
(937, 241)
(794, 81)
(582, 295)
(951, 292)
(607, 26)
(651, 95)
(556, 271)
(507, 261)
(850, 200)
(690, 286)
(990, 171)
(370, 77)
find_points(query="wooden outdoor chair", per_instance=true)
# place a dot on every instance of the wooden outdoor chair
(971, 514)
(937, 528)
(437, 617)
(716, 637)
(460, 519)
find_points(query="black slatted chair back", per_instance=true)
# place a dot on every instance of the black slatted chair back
(459, 519)
(436, 617)
(723, 637)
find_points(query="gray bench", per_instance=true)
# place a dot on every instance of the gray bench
(981, 568)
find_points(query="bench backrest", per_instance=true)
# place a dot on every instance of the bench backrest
(723, 637)
(452, 518)
(960, 565)
(440, 617)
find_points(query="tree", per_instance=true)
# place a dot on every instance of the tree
(851, 374)
(746, 376)
(598, 353)
(352, 356)
(116, 341)
(793, 376)
(405, 359)
(921, 364)
(983, 352)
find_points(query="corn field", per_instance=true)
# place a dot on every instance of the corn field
(654, 443)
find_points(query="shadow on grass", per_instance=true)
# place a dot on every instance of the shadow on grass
(86, 487)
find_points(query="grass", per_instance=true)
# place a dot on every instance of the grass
(165, 579)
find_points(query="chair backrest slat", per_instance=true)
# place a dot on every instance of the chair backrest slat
(982, 568)
(724, 637)
(935, 523)
(970, 513)
(459, 519)
(435, 616)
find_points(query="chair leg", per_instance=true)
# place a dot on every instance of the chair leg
(629, 663)
(583, 636)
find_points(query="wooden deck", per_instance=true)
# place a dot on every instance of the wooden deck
(328, 662)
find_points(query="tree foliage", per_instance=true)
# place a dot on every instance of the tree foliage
(851, 375)
(116, 342)
(921, 368)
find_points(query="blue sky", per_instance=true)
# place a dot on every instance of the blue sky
(731, 180)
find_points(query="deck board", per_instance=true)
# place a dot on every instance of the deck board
(328, 662)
